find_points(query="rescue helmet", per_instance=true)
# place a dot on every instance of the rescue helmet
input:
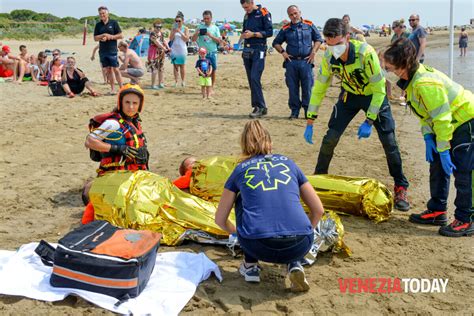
(130, 88)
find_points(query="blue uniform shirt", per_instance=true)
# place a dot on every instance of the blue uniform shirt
(259, 20)
(268, 197)
(299, 38)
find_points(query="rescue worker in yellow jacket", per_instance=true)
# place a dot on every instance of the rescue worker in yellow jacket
(446, 113)
(362, 88)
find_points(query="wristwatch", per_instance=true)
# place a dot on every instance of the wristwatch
(282, 51)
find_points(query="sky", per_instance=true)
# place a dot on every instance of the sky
(432, 12)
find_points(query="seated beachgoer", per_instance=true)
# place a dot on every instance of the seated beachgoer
(8, 62)
(26, 68)
(132, 66)
(74, 80)
(185, 172)
(265, 190)
(56, 69)
(43, 66)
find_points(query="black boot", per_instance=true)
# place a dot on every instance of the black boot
(428, 217)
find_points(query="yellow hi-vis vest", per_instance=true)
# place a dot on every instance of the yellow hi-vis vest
(361, 74)
(441, 104)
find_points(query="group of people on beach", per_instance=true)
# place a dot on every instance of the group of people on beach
(265, 188)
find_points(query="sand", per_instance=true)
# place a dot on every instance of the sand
(44, 164)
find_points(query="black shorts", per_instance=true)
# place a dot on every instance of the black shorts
(77, 86)
(109, 60)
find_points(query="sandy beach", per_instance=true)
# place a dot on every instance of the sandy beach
(44, 164)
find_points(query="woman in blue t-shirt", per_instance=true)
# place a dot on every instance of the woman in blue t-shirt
(271, 223)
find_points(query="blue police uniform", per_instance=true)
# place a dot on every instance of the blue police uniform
(259, 20)
(299, 40)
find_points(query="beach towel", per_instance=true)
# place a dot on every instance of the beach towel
(172, 283)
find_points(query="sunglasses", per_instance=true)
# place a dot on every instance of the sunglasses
(411, 20)
(56, 54)
(157, 26)
(177, 21)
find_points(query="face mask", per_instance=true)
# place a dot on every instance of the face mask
(391, 77)
(338, 50)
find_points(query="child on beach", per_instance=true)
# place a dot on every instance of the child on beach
(204, 68)
(156, 57)
(56, 69)
(43, 66)
(104, 70)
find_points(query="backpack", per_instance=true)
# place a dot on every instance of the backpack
(55, 88)
(101, 258)
(94, 123)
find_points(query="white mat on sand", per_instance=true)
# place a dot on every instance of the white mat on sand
(172, 283)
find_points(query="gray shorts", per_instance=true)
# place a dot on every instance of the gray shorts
(135, 72)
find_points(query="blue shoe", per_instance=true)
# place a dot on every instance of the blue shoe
(251, 274)
(297, 277)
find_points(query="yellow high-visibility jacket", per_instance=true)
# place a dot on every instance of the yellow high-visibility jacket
(361, 74)
(441, 104)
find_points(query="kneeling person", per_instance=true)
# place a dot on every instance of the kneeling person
(271, 223)
(132, 66)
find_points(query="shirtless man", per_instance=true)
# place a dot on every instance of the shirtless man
(8, 62)
(26, 66)
(132, 66)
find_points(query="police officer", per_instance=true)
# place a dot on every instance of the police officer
(302, 42)
(363, 88)
(256, 28)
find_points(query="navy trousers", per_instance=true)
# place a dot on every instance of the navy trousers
(299, 77)
(462, 155)
(254, 62)
(286, 249)
(343, 113)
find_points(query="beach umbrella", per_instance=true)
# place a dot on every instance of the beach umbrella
(366, 26)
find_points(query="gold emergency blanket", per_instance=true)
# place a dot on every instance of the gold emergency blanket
(350, 195)
(144, 200)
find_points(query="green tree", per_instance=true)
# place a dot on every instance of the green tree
(22, 15)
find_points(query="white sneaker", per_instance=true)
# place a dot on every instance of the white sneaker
(183, 84)
(297, 277)
(251, 274)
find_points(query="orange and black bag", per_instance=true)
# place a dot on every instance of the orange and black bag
(102, 258)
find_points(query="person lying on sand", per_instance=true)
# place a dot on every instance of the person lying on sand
(185, 172)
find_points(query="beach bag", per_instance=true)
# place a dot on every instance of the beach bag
(94, 123)
(102, 258)
(55, 88)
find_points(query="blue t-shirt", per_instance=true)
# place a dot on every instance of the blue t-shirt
(268, 197)
(204, 65)
(416, 34)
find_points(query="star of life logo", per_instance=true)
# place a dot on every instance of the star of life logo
(267, 175)
(392, 285)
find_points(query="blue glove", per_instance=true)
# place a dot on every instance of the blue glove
(430, 147)
(364, 130)
(308, 134)
(446, 162)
